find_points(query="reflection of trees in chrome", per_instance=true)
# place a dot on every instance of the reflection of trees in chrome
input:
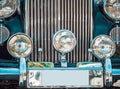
(40, 65)
(111, 1)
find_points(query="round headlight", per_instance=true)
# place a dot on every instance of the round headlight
(114, 33)
(103, 47)
(7, 8)
(19, 45)
(4, 34)
(112, 8)
(64, 41)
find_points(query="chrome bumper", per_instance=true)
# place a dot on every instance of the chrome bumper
(85, 74)
(89, 76)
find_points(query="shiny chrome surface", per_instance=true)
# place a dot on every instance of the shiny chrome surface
(64, 41)
(40, 65)
(63, 60)
(4, 34)
(88, 64)
(19, 45)
(63, 77)
(8, 7)
(45, 17)
(22, 73)
(114, 33)
(112, 8)
(108, 72)
(103, 47)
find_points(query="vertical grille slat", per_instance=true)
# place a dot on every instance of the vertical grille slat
(32, 28)
(35, 27)
(77, 31)
(45, 17)
(41, 30)
(49, 31)
(51, 27)
(80, 30)
(38, 31)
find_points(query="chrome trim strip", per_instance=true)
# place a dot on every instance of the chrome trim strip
(108, 72)
(90, 56)
(27, 16)
(72, 68)
(22, 75)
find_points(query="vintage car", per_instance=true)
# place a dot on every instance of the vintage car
(59, 43)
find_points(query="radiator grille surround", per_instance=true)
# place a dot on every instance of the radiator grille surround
(45, 17)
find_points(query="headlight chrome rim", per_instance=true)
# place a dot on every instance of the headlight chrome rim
(106, 53)
(111, 14)
(61, 32)
(12, 48)
(114, 34)
(8, 11)
(4, 34)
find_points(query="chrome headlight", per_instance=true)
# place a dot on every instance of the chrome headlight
(114, 33)
(7, 7)
(103, 47)
(4, 34)
(112, 8)
(19, 45)
(64, 41)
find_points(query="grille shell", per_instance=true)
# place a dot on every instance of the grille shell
(45, 17)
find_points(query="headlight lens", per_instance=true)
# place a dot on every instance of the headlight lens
(4, 34)
(19, 45)
(112, 8)
(7, 7)
(64, 41)
(103, 47)
(114, 33)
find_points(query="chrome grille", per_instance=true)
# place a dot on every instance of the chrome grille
(45, 17)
